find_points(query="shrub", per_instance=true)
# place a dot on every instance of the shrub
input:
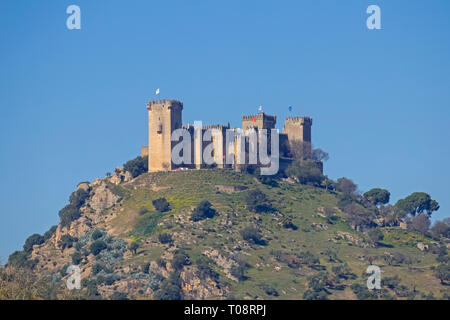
(145, 267)
(161, 205)
(20, 259)
(97, 234)
(48, 234)
(133, 247)
(97, 247)
(440, 229)
(203, 211)
(251, 234)
(204, 268)
(77, 258)
(137, 166)
(96, 268)
(161, 262)
(164, 238)
(68, 214)
(179, 260)
(66, 241)
(169, 291)
(420, 223)
(78, 198)
(346, 186)
(306, 171)
(35, 239)
(258, 202)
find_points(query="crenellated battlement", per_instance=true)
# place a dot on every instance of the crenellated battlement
(298, 120)
(164, 103)
(258, 116)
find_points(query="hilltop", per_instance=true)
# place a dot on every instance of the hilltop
(220, 234)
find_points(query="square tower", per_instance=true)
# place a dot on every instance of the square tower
(259, 121)
(298, 131)
(164, 116)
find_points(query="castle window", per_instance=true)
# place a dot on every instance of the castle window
(159, 128)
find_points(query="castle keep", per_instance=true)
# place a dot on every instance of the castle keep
(165, 116)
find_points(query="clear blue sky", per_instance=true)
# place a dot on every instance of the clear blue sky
(73, 102)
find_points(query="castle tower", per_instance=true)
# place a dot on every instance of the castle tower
(298, 129)
(164, 116)
(259, 121)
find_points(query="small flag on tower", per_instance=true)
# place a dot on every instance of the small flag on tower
(157, 91)
(260, 108)
(290, 108)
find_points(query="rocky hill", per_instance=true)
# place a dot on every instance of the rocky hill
(219, 234)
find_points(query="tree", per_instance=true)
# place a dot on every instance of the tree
(258, 202)
(161, 205)
(35, 239)
(420, 223)
(418, 202)
(442, 272)
(203, 211)
(137, 166)
(318, 154)
(133, 247)
(346, 186)
(440, 229)
(357, 216)
(377, 196)
(97, 246)
(306, 171)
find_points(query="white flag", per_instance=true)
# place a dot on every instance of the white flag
(157, 91)
(260, 108)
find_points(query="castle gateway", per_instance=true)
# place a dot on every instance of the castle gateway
(219, 145)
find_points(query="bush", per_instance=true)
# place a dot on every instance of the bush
(133, 247)
(306, 171)
(137, 166)
(161, 262)
(97, 234)
(179, 260)
(420, 223)
(35, 239)
(161, 205)
(204, 268)
(258, 202)
(252, 235)
(66, 241)
(68, 214)
(97, 247)
(164, 238)
(96, 268)
(78, 198)
(170, 288)
(77, 258)
(20, 259)
(48, 234)
(203, 211)
(145, 267)
(440, 229)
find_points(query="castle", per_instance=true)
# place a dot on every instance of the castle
(165, 117)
